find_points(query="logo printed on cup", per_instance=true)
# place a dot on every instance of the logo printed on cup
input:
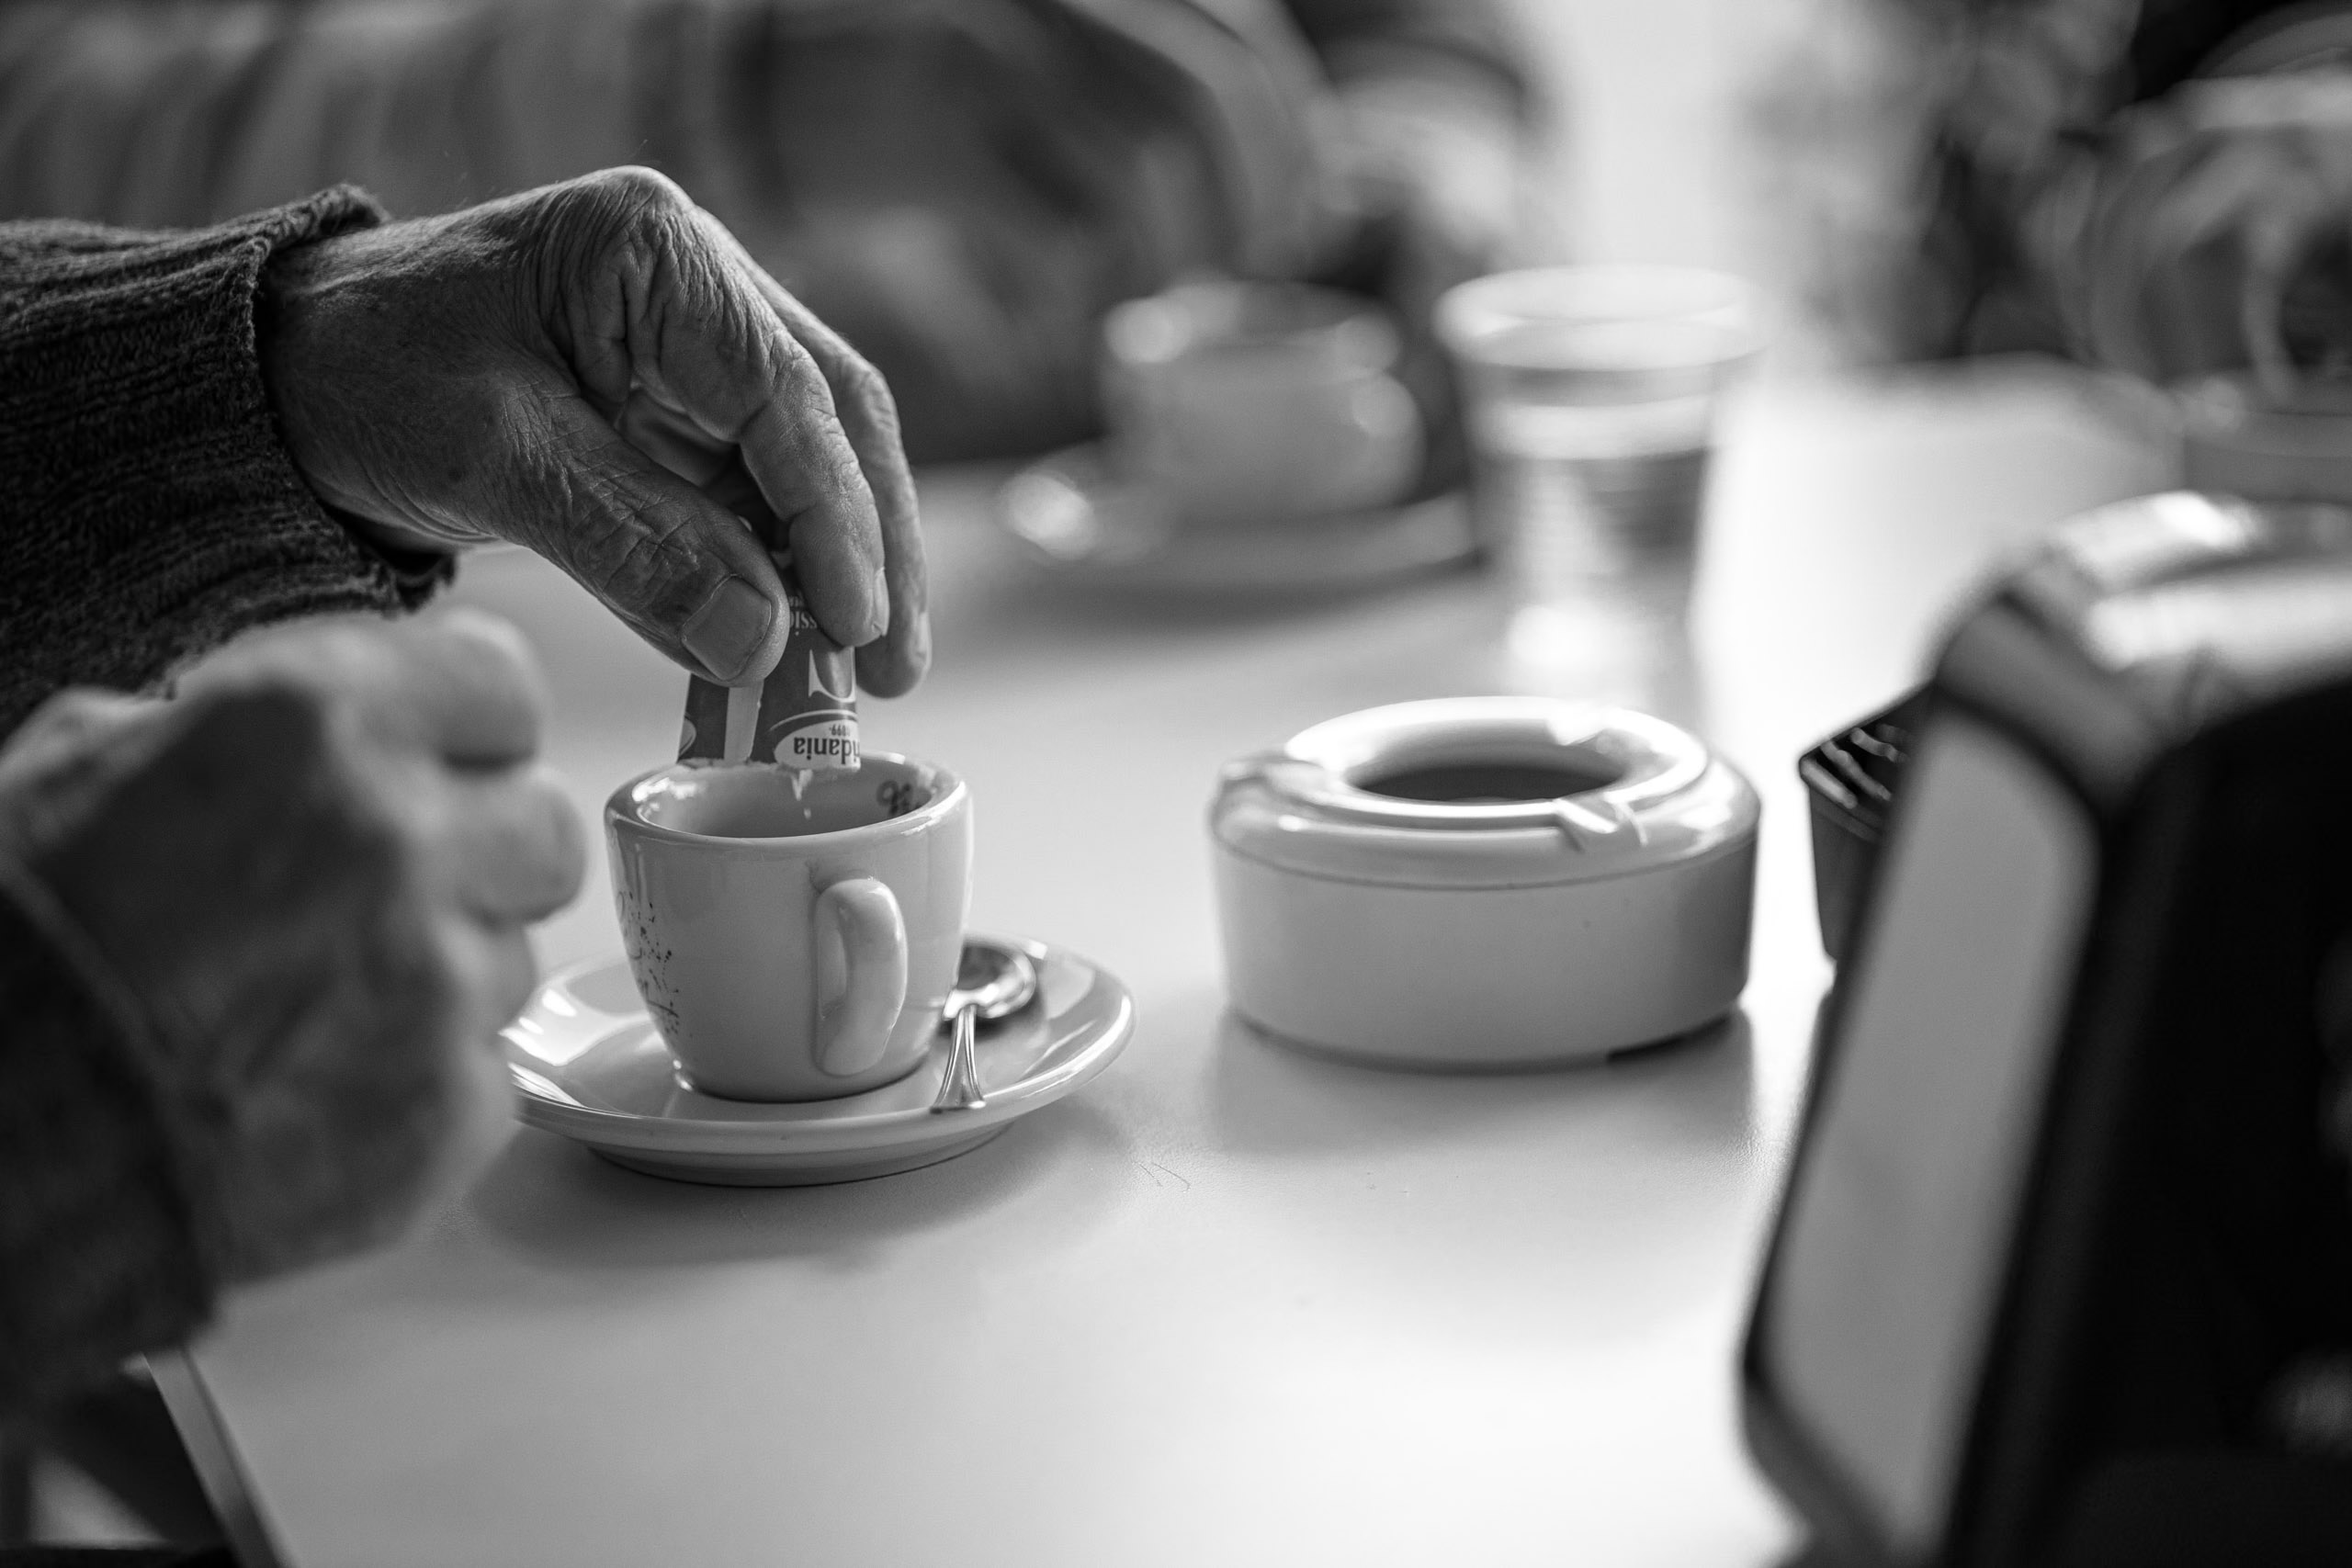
(803, 717)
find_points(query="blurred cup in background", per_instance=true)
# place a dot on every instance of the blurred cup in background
(1248, 401)
(1590, 395)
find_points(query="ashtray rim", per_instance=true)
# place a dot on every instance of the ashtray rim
(1300, 809)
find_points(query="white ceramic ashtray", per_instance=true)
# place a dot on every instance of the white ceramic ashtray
(1485, 882)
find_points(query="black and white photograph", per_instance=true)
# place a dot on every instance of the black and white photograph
(1175, 783)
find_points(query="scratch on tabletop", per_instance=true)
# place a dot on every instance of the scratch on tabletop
(1155, 1165)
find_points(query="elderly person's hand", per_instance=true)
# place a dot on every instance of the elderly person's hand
(597, 370)
(2213, 235)
(305, 879)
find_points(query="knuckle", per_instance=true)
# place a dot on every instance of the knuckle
(611, 198)
(552, 854)
(805, 378)
(485, 633)
(871, 391)
(277, 717)
(653, 570)
(501, 660)
(630, 218)
(81, 712)
(347, 656)
(632, 188)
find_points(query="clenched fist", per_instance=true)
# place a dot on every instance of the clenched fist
(307, 874)
(598, 371)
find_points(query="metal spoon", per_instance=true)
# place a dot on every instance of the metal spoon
(992, 981)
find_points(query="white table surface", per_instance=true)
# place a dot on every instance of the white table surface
(1228, 1306)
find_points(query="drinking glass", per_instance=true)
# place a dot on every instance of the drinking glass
(1589, 394)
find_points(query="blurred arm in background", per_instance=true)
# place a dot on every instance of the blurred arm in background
(2163, 186)
(961, 186)
(1433, 114)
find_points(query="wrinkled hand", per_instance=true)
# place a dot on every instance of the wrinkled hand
(598, 371)
(310, 871)
(2216, 235)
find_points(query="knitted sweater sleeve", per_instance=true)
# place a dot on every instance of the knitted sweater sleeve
(148, 508)
(147, 511)
(99, 1251)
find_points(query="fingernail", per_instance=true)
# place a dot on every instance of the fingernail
(920, 648)
(877, 619)
(730, 630)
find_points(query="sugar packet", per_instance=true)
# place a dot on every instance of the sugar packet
(804, 717)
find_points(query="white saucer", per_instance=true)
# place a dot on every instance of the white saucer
(591, 1066)
(1076, 520)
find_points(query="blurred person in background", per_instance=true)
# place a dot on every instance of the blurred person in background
(961, 187)
(2161, 186)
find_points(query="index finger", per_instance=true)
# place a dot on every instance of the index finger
(704, 339)
(457, 683)
(869, 417)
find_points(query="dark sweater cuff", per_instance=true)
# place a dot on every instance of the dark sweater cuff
(98, 1254)
(153, 509)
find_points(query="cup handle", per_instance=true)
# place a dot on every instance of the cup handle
(853, 1029)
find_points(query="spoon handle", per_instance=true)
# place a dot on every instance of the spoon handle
(959, 1087)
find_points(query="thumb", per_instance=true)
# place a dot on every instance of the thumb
(686, 574)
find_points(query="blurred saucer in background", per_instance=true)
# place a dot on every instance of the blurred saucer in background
(1276, 399)
(2236, 439)
(1076, 520)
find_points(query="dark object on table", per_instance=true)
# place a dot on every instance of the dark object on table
(119, 1437)
(2063, 1275)
(1850, 780)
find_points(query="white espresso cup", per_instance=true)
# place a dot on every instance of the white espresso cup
(1248, 402)
(793, 945)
